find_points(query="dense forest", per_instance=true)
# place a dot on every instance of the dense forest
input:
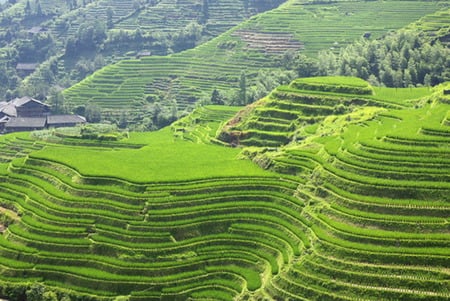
(401, 59)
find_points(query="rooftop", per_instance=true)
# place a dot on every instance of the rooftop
(26, 66)
(26, 122)
(23, 100)
(59, 119)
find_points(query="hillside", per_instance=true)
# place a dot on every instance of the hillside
(179, 81)
(293, 112)
(357, 207)
(64, 41)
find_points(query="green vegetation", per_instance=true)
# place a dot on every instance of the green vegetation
(152, 72)
(64, 41)
(401, 59)
(323, 188)
(293, 112)
(356, 205)
(180, 80)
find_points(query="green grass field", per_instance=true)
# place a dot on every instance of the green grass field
(356, 206)
(154, 162)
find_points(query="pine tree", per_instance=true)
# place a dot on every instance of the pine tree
(243, 88)
(28, 8)
(38, 8)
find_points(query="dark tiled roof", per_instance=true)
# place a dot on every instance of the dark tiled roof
(61, 119)
(26, 66)
(26, 122)
(36, 29)
(8, 108)
(26, 99)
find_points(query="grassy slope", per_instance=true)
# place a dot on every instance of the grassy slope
(290, 112)
(363, 196)
(164, 159)
(128, 83)
(378, 187)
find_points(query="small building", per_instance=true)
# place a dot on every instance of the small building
(20, 124)
(29, 107)
(143, 53)
(29, 114)
(24, 69)
(54, 121)
(36, 29)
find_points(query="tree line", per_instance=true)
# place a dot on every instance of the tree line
(401, 59)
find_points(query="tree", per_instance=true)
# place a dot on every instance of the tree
(65, 298)
(407, 78)
(49, 296)
(242, 89)
(57, 102)
(123, 120)
(205, 12)
(109, 18)
(28, 8)
(306, 67)
(71, 47)
(93, 113)
(217, 98)
(427, 80)
(287, 60)
(35, 292)
(400, 59)
(38, 8)
(187, 37)
(387, 77)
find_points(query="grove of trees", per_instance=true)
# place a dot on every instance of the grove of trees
(400, 59)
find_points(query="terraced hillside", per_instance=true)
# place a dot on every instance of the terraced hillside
(67, 40)
(192, 75)
(164, 16)
(293, 112)
(378, 189)
(154, 233)
(357, 209)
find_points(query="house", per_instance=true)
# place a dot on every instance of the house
(20, 124)
(24, 69)
(36, 29)
(29, 107)
(29, 114)
(143, 53)
(54, 121)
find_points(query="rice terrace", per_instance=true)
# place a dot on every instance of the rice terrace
(306, 155)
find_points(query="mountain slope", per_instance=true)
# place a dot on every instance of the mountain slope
(356, 209)
(181, 80)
